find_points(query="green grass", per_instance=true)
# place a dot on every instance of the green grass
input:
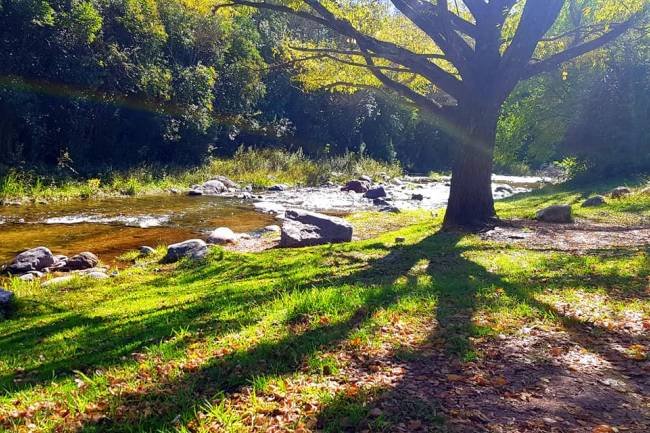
(241, 339)
(259, 168)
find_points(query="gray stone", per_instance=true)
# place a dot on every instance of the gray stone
(195, 191)
(272, 228)
(277, 188)
(96, 275)
(194, 249)
(377, 192)
(302, 228)
(619, 192)
(555, 214)
(229, 183)
(390, 209)
(213, 187)
(504, 188)
(27, 277)
(597, 200)
(146, 251)
(35, 259)
(85, 260)
(222, 236)
(57, 280)
(366, 178)
(417, 197)
(380, 202)
(357, 186)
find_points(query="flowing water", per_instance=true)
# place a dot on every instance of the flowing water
(111, 226)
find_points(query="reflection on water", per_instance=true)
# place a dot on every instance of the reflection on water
(111, 226)
(108, 227)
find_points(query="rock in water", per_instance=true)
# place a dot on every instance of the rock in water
(195, 249)
(213, 187)
(597, 200)
(85, 260)
(357, 186)
(377, 192)
(228, 183)
(302, 228)
(222, 236)
(504, 188)
(555, 214)
(277, 188)
(620, 191)
(417, 197)
(35, 259)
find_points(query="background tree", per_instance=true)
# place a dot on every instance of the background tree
(458, 61)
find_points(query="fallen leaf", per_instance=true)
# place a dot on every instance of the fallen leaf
(499, 381)
(603, 428)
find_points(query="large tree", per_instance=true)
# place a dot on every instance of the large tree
(457, 60)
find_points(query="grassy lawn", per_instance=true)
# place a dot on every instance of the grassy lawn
(368, 336)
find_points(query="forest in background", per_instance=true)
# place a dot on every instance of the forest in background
(88, 86)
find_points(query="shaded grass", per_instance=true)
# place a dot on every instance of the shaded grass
(175, 347)
(257, 167)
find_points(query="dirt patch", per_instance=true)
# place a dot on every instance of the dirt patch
(579, 236)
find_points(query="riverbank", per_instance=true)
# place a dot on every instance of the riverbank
(258, 168)
(406, 330)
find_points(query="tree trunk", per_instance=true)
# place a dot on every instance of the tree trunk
(471, 205)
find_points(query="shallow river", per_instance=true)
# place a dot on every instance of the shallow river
(110, 226)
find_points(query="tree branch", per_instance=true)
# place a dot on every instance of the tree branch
(578, 50)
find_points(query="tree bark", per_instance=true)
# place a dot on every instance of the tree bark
(471, 205)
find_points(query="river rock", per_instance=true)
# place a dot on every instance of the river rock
(35, 259)
(229, 183)
(96, 275)
(390, 209)
(302, 228)
(57, 280)
(417, 197)
(213, 186)
(358, 186)
(620, 191)
(273, 228)
(146, 251)
(504, 188)
(85, 260)
(222, 236)
(597, 200)
(366, 178)
(555, 214)
(195, 191)
(278, 188)
(195, 249)
(377, 192)
(380, 202)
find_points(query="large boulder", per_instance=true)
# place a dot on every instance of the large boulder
(229, 183)
(278, 187)
(35, 259)
(620, 191)
(211, 187)
(358, 186)
(222, 236)
(302, 228)
(597, 200)
(376, 192)
(85, 260)
(194, 249)
(555, 214)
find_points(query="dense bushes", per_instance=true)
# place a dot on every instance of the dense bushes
(88, 85)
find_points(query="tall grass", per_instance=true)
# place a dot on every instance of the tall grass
(257, 167)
